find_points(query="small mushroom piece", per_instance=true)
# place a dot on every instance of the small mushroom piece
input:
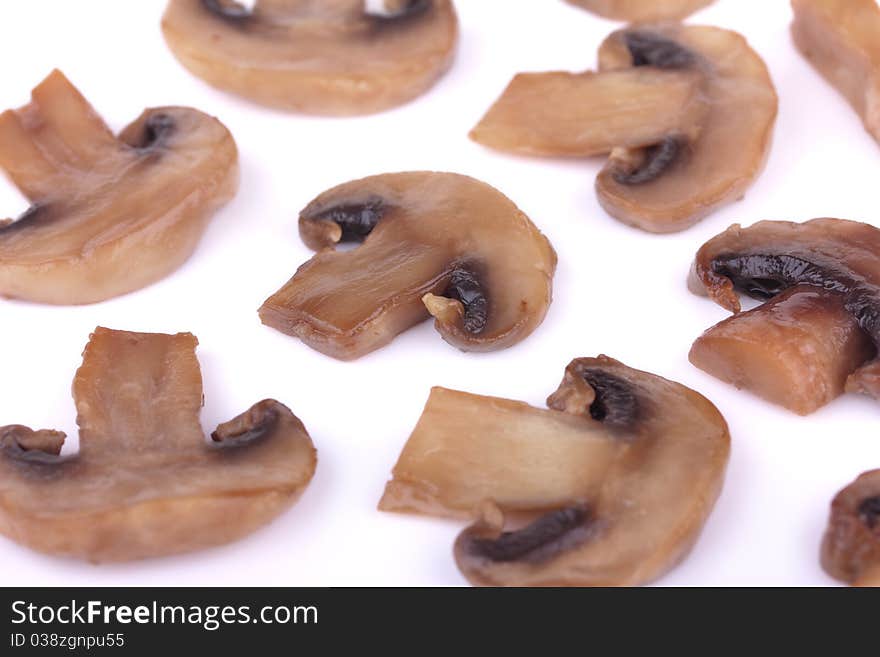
(326, 57)
(839, 38)
(818, 331)
(109, 215)
(145, 482)
(585, 114)
(618, 478)
(851, 547)
(673, 184)
(637, 11)
(434, 244)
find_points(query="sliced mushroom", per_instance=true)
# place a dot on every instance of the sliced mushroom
(686, 113)
(585, 114)
(851, 547)
(618, 479)
(436, 244)
(332, 57)
(642, 10)
(820, 327)
(145, 483)
(109, 215)
(675, 183)
(839, 38)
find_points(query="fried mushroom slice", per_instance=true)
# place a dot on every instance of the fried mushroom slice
(109, 215)
(822, 325)
(671, 185)
(851, 546)
(433, 244)
(841, 39)
(145, 483)
(326, 57)
(585, 114)
(619, 477)
(642, 10)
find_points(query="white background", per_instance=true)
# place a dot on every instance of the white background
(618, 291)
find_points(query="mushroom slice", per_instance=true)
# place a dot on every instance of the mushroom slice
(851, 547)
(642, 10)
(675, 183)
(145, 482)
(332, 57)
(436, 244)
(840, 39)
(618, 478)
(586, 114)
(109, 215)
(821, 325)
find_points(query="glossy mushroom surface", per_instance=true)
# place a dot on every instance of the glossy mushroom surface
(686, 114)
(642, 10)
(851, 547)
(109, 215)
(818, 331)
(673, 184)
(145, 482)
(841, 39)
(614, 483)
(433, 244)
(326, 57)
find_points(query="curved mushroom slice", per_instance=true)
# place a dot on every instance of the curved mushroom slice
(798, 349)
(841, 39)
(436, 244)
(675, 183)
(623, 473)
(585, 114)
(332, 57)
(642, 10)
(145, 483)
(109, 215)
(851, 547)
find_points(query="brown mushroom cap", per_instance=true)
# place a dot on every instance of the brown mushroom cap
(841, 39)
(109, 215)
(436, 244)
(674, 184)
(327, 57)
(824, 331)
(145, 483)
(642, 10)
(851, 547)
(623, 471)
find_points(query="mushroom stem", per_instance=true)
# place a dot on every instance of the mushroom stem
(798, 350)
